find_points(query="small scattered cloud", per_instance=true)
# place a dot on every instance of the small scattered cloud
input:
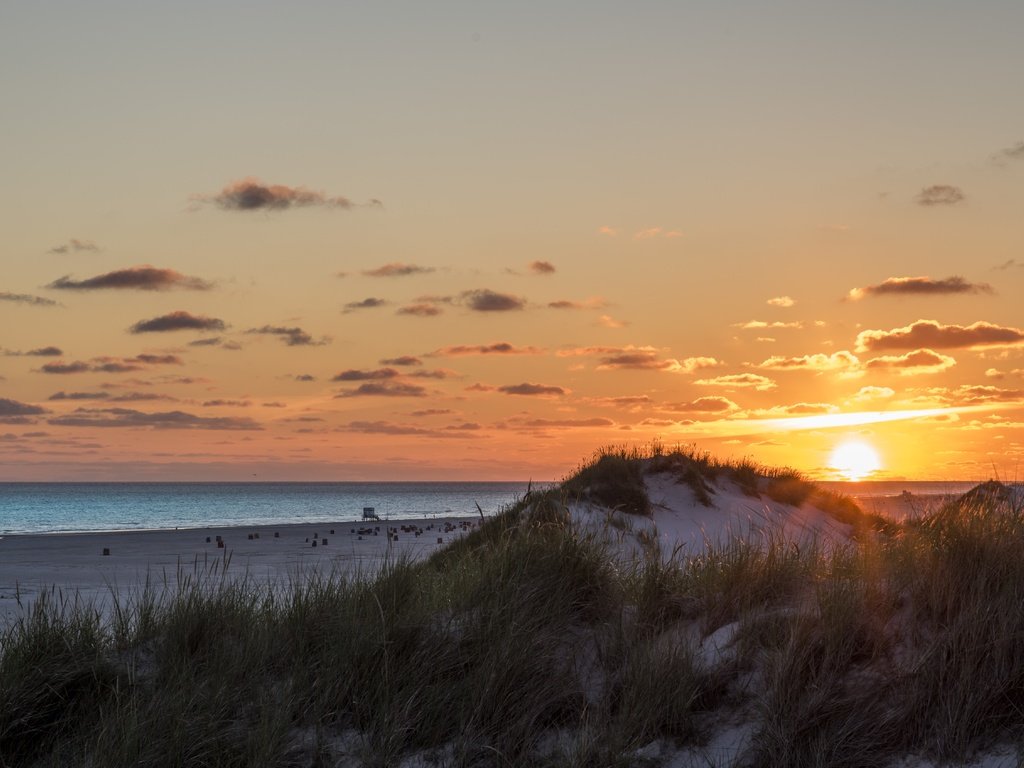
(1012, 153)
(607, 321)
(534, 390)
(865, 394)
(931, 334)
(781, 301)
(976, 394)
(26, 298)
(227, 404)
(1009, 264)
(143, 278)
(420, 309)
(75, 245)
(354, 374)
(919, 286)
(712, 404)
(608, 231)
(940, 194)
(627, 402)
(304, 377)
(761, 324)
(130, 418)
(399, 430)
(64, 368)
(62, 395)
(251, 194)
(542, 267)
(15, 412)
(291, 337)
(495, 348)
(920, 361)
(397, 269)
(590, 423)
(38, 352)
(432, 412)
(216, 341)
(402, 361)
(178, 321)
(837, 361)
(739, 381)
(594, 302)
(384, 389)
(796, 409)
(486, 300)
(369, 303)
(111, 364)
(655, 232)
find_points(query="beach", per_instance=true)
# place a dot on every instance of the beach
(74, 564)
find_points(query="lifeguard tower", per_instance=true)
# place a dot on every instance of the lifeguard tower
(369, 513)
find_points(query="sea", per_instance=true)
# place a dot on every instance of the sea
(79, 507)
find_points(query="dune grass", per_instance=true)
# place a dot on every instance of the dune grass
(526, 643)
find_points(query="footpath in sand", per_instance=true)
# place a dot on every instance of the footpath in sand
(70, 564)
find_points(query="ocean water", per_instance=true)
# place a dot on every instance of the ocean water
(67, 507)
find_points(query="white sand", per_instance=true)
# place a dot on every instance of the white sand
(73, 564)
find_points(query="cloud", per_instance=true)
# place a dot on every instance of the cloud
(178, 321)
(781, 301)
(39, 352)
(932, 334)
(837, 361)
(917, 362)
(653, 232)
(1016, 152)
(144, 278)
(397, 269)
(356, 375)
(12, 409)
(874, 393)
(486, 300)
(759, 324)
(630, 402)
(216, 341)
(436, 373)
(542, 267)
(607, 321)
(127, 417)
(403, 361)
(370, 303)
(739, 380)
(919, 286)
(79, 395)
(112, 364)
(389, 428)
(567, 423)
(304, 377)
(539, 390)
(940, 194)
(26, 298)
(432, 412)
(292, 337)
(422, 309)
(74, 244)
(967, 394)
(637, 359)
(796, 409)
(495, 348)
(251, 194)
(713, 404)
(384, 389)
(594, 302)
(61, 368)
(227, 404)
(609, 231)
(1009, 264)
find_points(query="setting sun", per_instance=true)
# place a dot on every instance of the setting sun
(855, 460)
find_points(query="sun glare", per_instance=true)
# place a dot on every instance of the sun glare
(855, 460)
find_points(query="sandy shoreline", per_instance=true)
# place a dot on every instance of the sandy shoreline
(74, 563)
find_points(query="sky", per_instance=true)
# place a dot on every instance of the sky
(479, 241)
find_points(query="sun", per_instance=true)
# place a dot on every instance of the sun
(855, 460)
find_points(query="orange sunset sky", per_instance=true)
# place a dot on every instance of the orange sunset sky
(402, 241)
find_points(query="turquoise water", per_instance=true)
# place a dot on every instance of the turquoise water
(64, 507)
